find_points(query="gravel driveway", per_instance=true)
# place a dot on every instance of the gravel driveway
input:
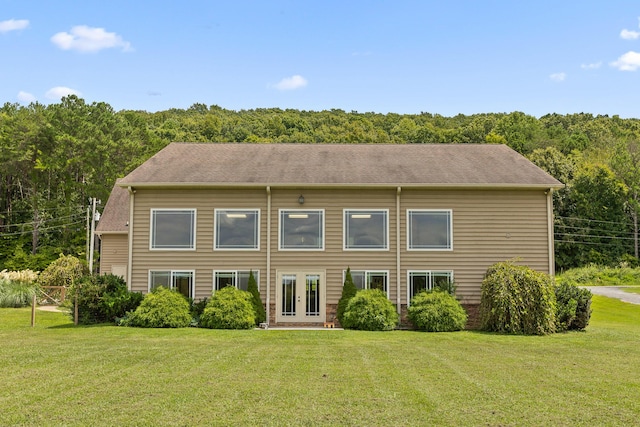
(614, 292)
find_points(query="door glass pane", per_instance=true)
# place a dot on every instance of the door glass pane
(312, 295)
(289, 295)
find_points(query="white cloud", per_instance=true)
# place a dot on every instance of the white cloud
(629, 35)
(13, 25)
(630, 61)
(56, 93)
(89, 39)
(591, 66)
(558, 77)
(26, 97)
(291, 83)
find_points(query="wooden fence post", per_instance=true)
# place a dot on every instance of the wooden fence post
(33, 311)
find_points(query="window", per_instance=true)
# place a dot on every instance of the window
(236, 278)
(426, 280)
(173, 229)
(237, 229)
(301, 229)
(429, 230)
(364, 279)
(182, 281)
(366, 229)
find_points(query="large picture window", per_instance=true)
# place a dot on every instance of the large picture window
(173, 229)
(420, 281)
(429, 230)
(236, 278)
(237, 229)
(366, 229)
(301, 229)
(182, 281)
(366, 279)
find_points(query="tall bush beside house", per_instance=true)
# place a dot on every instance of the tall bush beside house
(573, 307)
(103, 298)
(517, 300)
(63, 272)
(436, 311)
(229, 308)
(252, 288)
(349, 290)
(161, 308)
(370, 310)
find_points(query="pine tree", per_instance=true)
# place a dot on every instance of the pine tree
(252, 287)
(348, 291)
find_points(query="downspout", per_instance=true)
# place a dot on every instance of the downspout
(552, 267)
(268, 254)
(398, 277)
(132, 193)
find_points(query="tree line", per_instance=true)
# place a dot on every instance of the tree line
(53, 158)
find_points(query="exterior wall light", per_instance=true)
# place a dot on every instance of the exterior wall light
(301, 199)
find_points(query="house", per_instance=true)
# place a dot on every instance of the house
(198, 217)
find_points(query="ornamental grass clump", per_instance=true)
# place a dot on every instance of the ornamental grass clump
(370, 310)
(161, 308)
(517, 300)
(436, 311)
(229, 308)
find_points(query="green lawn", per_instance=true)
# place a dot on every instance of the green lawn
(58, 374)
(634, 289)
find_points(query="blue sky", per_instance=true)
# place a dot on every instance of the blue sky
(401, 56)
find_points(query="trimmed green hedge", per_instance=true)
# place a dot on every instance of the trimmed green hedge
(436, 311)
(229, 308)
(161, 308)
(370, 310)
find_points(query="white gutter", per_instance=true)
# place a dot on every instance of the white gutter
(552, 267)
(398, 287)
(132, 193)
(268, 303)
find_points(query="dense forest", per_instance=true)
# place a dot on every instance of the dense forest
(55, 157)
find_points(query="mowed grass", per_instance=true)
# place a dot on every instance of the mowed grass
(58, 374)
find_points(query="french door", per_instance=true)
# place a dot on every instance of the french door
(300, 297)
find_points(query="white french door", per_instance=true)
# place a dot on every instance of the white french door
(300, 297)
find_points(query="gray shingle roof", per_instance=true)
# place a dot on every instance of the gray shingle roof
(428, 165)
(115, 216)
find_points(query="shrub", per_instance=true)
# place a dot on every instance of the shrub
(437, 311)
(349, 290)
(162, 308)
(102, 299)
(252, 288)
(229, 308)
(370, 310)
(573, 306)
(17, 288)
(196, 309)
(517, 300)
(63, 272)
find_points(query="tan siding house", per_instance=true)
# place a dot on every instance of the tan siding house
(197, 217)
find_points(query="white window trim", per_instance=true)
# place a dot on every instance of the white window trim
(215, 229)
(256, 275)
(449, 249)
(172, 273)
(430, 273)
(366, 272)
(151, 228)
(280, 229)
(345, 237)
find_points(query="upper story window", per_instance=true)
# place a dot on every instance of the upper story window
(173, 229)
(236, 278)
(301, 229)
(366, 229)
(237, 229)
(366, 279)
(429, 230)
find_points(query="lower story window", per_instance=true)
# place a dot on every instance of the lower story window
(236, 278)
(182, 281)
(365, 279)
(420, 281)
